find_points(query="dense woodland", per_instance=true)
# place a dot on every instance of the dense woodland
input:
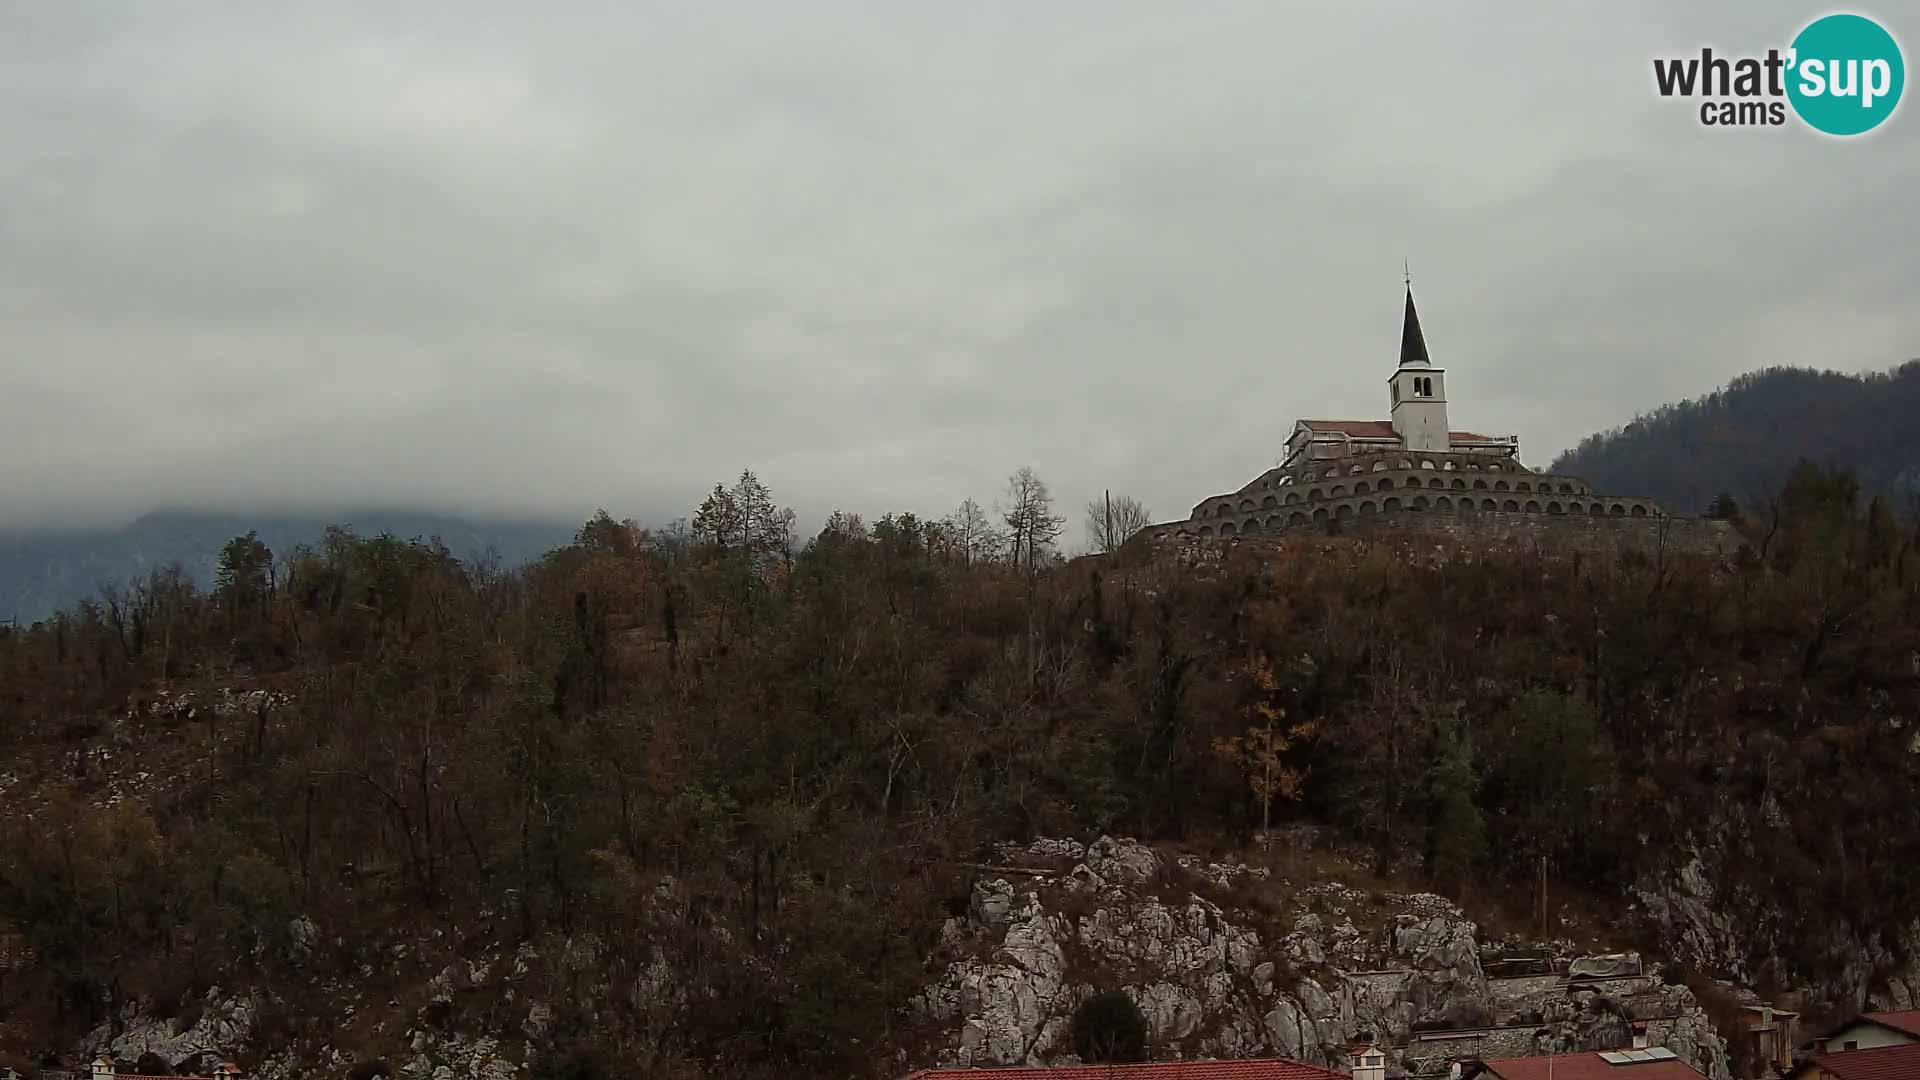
(1743, 440)
(795, 742)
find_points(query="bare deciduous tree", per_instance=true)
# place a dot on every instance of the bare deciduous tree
(1032, 526)
(971, 534)
(1113, 519)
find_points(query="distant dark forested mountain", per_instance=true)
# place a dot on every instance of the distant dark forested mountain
(46, 571)
(1742, 440)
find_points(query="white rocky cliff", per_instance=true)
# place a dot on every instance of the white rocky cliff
(1225, 960)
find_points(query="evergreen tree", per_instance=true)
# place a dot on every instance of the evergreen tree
(1108, 1029)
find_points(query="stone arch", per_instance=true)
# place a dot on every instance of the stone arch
(1380, 466)
(1566, 489)
(1385, 484)
(1639, 510)
(1223, 508)
(1296, 518)
(1533, 506)
(1246, 505)
(1596, 510)
(1292, 497)
(1343, 511)
(1489, 504)
(1252, 525)
(1405, 464)
(1367, 508)
(1356, 470)
(1436, 482)
(1338, 490)
(1315, 495)
(1274, 523)
(1554, 507)
(1480, 485)
(1419, 502)
(1522, 485)
(1360, 488)
(1390, 505)
(1499, 485)
(1320, 515)
(1617, 510)
(1510, 506)
(1427, 463)
(1226, 528)
(1206, 531)
(1449, 466)
(1269, 501)
(1443, 503)
(1459, 484)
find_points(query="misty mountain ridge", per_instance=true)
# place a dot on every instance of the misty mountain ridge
(47, 570)
(1742, 439)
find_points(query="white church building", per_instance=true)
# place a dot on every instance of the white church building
(1412, 462)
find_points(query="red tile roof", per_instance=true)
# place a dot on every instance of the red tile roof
(1383, 429)
(1358, 429)
(1907, 1020)
(1880, 1063)
(1589, 1066)
(1258, 1069)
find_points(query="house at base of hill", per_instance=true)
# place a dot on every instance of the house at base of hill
(1770, 1034)
(1899, 1062)
(1365, 1061)
(1652, 1063)
(104, 1069)
(1869, 1031)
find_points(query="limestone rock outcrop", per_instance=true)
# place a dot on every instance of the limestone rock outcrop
(224, 1023)
(1214, 980)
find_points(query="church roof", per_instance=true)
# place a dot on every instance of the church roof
(1358, 429)
(1413, 343)
(1383, 429)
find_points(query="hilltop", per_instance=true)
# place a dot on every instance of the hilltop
(1743, 439)
(724, 805)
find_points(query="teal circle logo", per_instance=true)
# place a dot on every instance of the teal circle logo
(1845, 74)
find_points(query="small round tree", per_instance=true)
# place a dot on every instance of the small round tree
(1108, 1029)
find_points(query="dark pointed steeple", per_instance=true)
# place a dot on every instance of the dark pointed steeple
(1413, 344)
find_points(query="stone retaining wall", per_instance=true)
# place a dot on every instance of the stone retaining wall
(1605, 537)
(1569, 533)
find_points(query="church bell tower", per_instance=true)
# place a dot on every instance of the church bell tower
(1419, 390)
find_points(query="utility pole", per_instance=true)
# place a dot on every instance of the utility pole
(1543, 915)
(1106, 539)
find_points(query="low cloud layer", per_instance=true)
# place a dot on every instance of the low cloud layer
(493, 258)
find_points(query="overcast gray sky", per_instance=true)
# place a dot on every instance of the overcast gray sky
(540, 258)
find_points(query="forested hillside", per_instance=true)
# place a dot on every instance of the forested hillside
(751, 768)
(44, 571)
(1742, 440)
